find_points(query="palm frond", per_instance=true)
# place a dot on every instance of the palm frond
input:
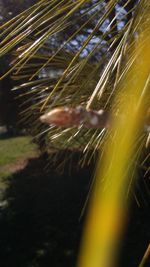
(70, 53)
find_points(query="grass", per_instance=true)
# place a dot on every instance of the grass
(14, 148)
(12, 151)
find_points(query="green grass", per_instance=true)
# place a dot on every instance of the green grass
(13, 150)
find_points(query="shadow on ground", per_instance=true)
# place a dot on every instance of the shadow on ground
(40, 227)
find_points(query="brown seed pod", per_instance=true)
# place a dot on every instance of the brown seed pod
(64, 116)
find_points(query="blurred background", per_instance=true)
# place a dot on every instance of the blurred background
(43, 195)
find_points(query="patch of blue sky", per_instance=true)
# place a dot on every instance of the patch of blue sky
(120, 15)
(95, 6)
(105, 26)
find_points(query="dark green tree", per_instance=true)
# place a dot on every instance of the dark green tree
(9, 105)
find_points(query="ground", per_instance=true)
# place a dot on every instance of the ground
(14, 153)
(40, 213)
